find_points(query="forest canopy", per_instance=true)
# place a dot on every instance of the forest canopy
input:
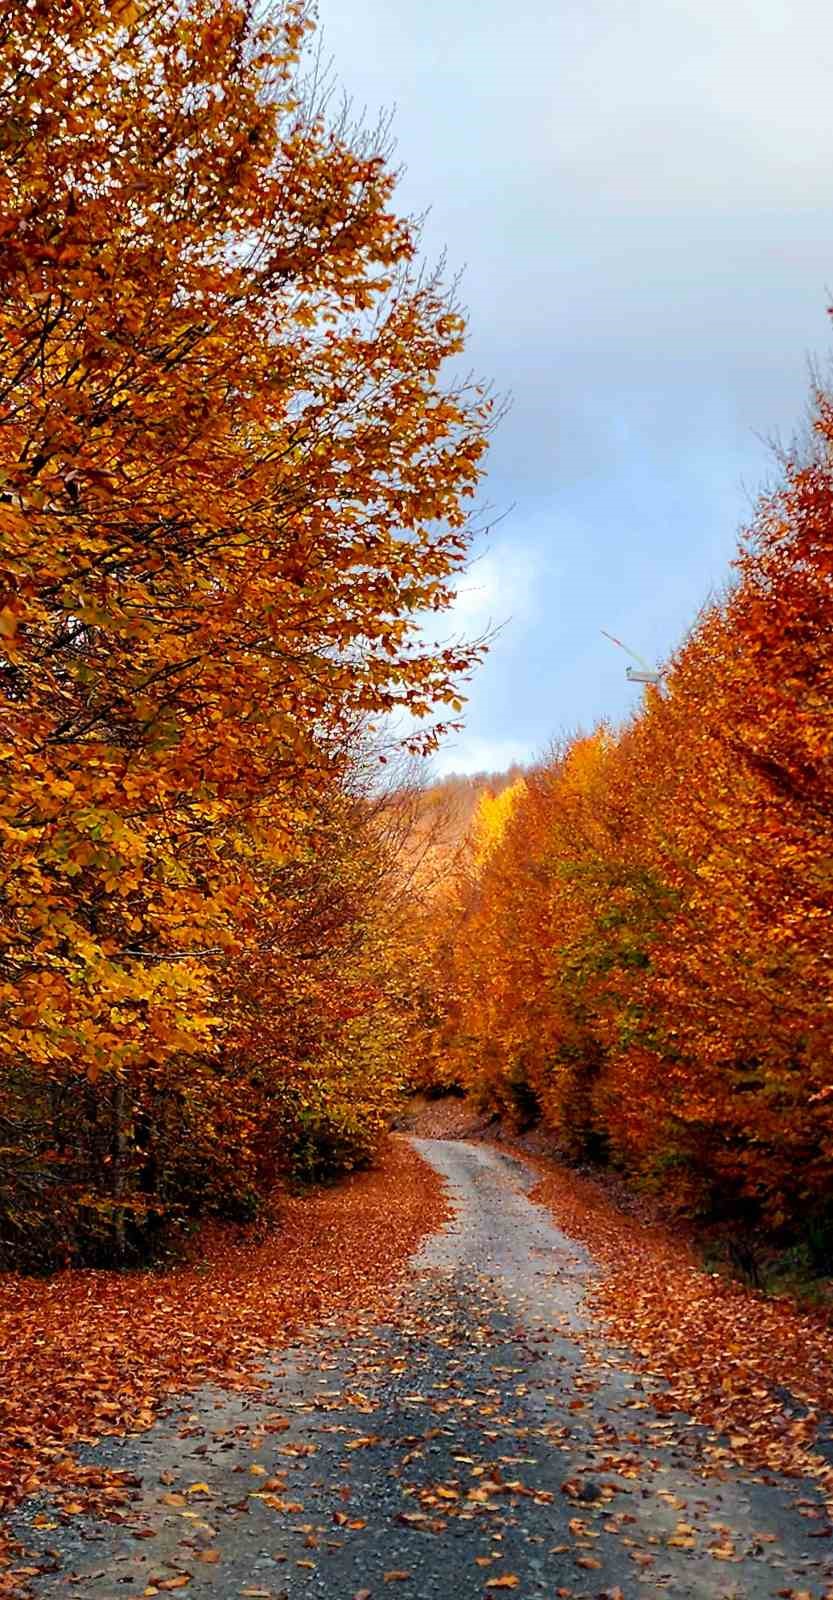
(234, 477)
(636, 945)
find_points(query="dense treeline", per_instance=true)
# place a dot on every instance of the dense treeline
(639, 949)
(232, 478)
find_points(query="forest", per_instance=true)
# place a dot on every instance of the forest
(240, 470)
(235, 476)
(365, 1128)
(635, 945)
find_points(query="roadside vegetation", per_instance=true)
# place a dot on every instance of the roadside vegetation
(234, 477)
(635, 948)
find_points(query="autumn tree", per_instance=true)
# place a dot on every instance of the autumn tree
(643, 952)
(233, 479)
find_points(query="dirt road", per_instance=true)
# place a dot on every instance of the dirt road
(483, 1439)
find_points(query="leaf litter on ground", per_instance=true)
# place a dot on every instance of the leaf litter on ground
(87, 1354)
(731, 1357)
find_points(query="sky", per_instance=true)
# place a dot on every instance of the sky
(640, 195)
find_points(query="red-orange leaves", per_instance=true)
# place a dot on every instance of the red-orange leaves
(88, 1356)
(727, 1356)
(233, 478)
(639, 946)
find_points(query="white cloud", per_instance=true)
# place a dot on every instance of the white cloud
(502, 586)
(468, 753)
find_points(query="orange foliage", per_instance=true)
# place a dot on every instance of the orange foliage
(232, 479)
(643, 954)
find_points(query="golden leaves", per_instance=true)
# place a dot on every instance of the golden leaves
(233, 477)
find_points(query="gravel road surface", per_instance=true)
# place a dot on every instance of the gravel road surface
(484, 1439)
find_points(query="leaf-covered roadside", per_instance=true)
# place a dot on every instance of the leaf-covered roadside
(732, 1358)
(480, 1436)
(90, 1353)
